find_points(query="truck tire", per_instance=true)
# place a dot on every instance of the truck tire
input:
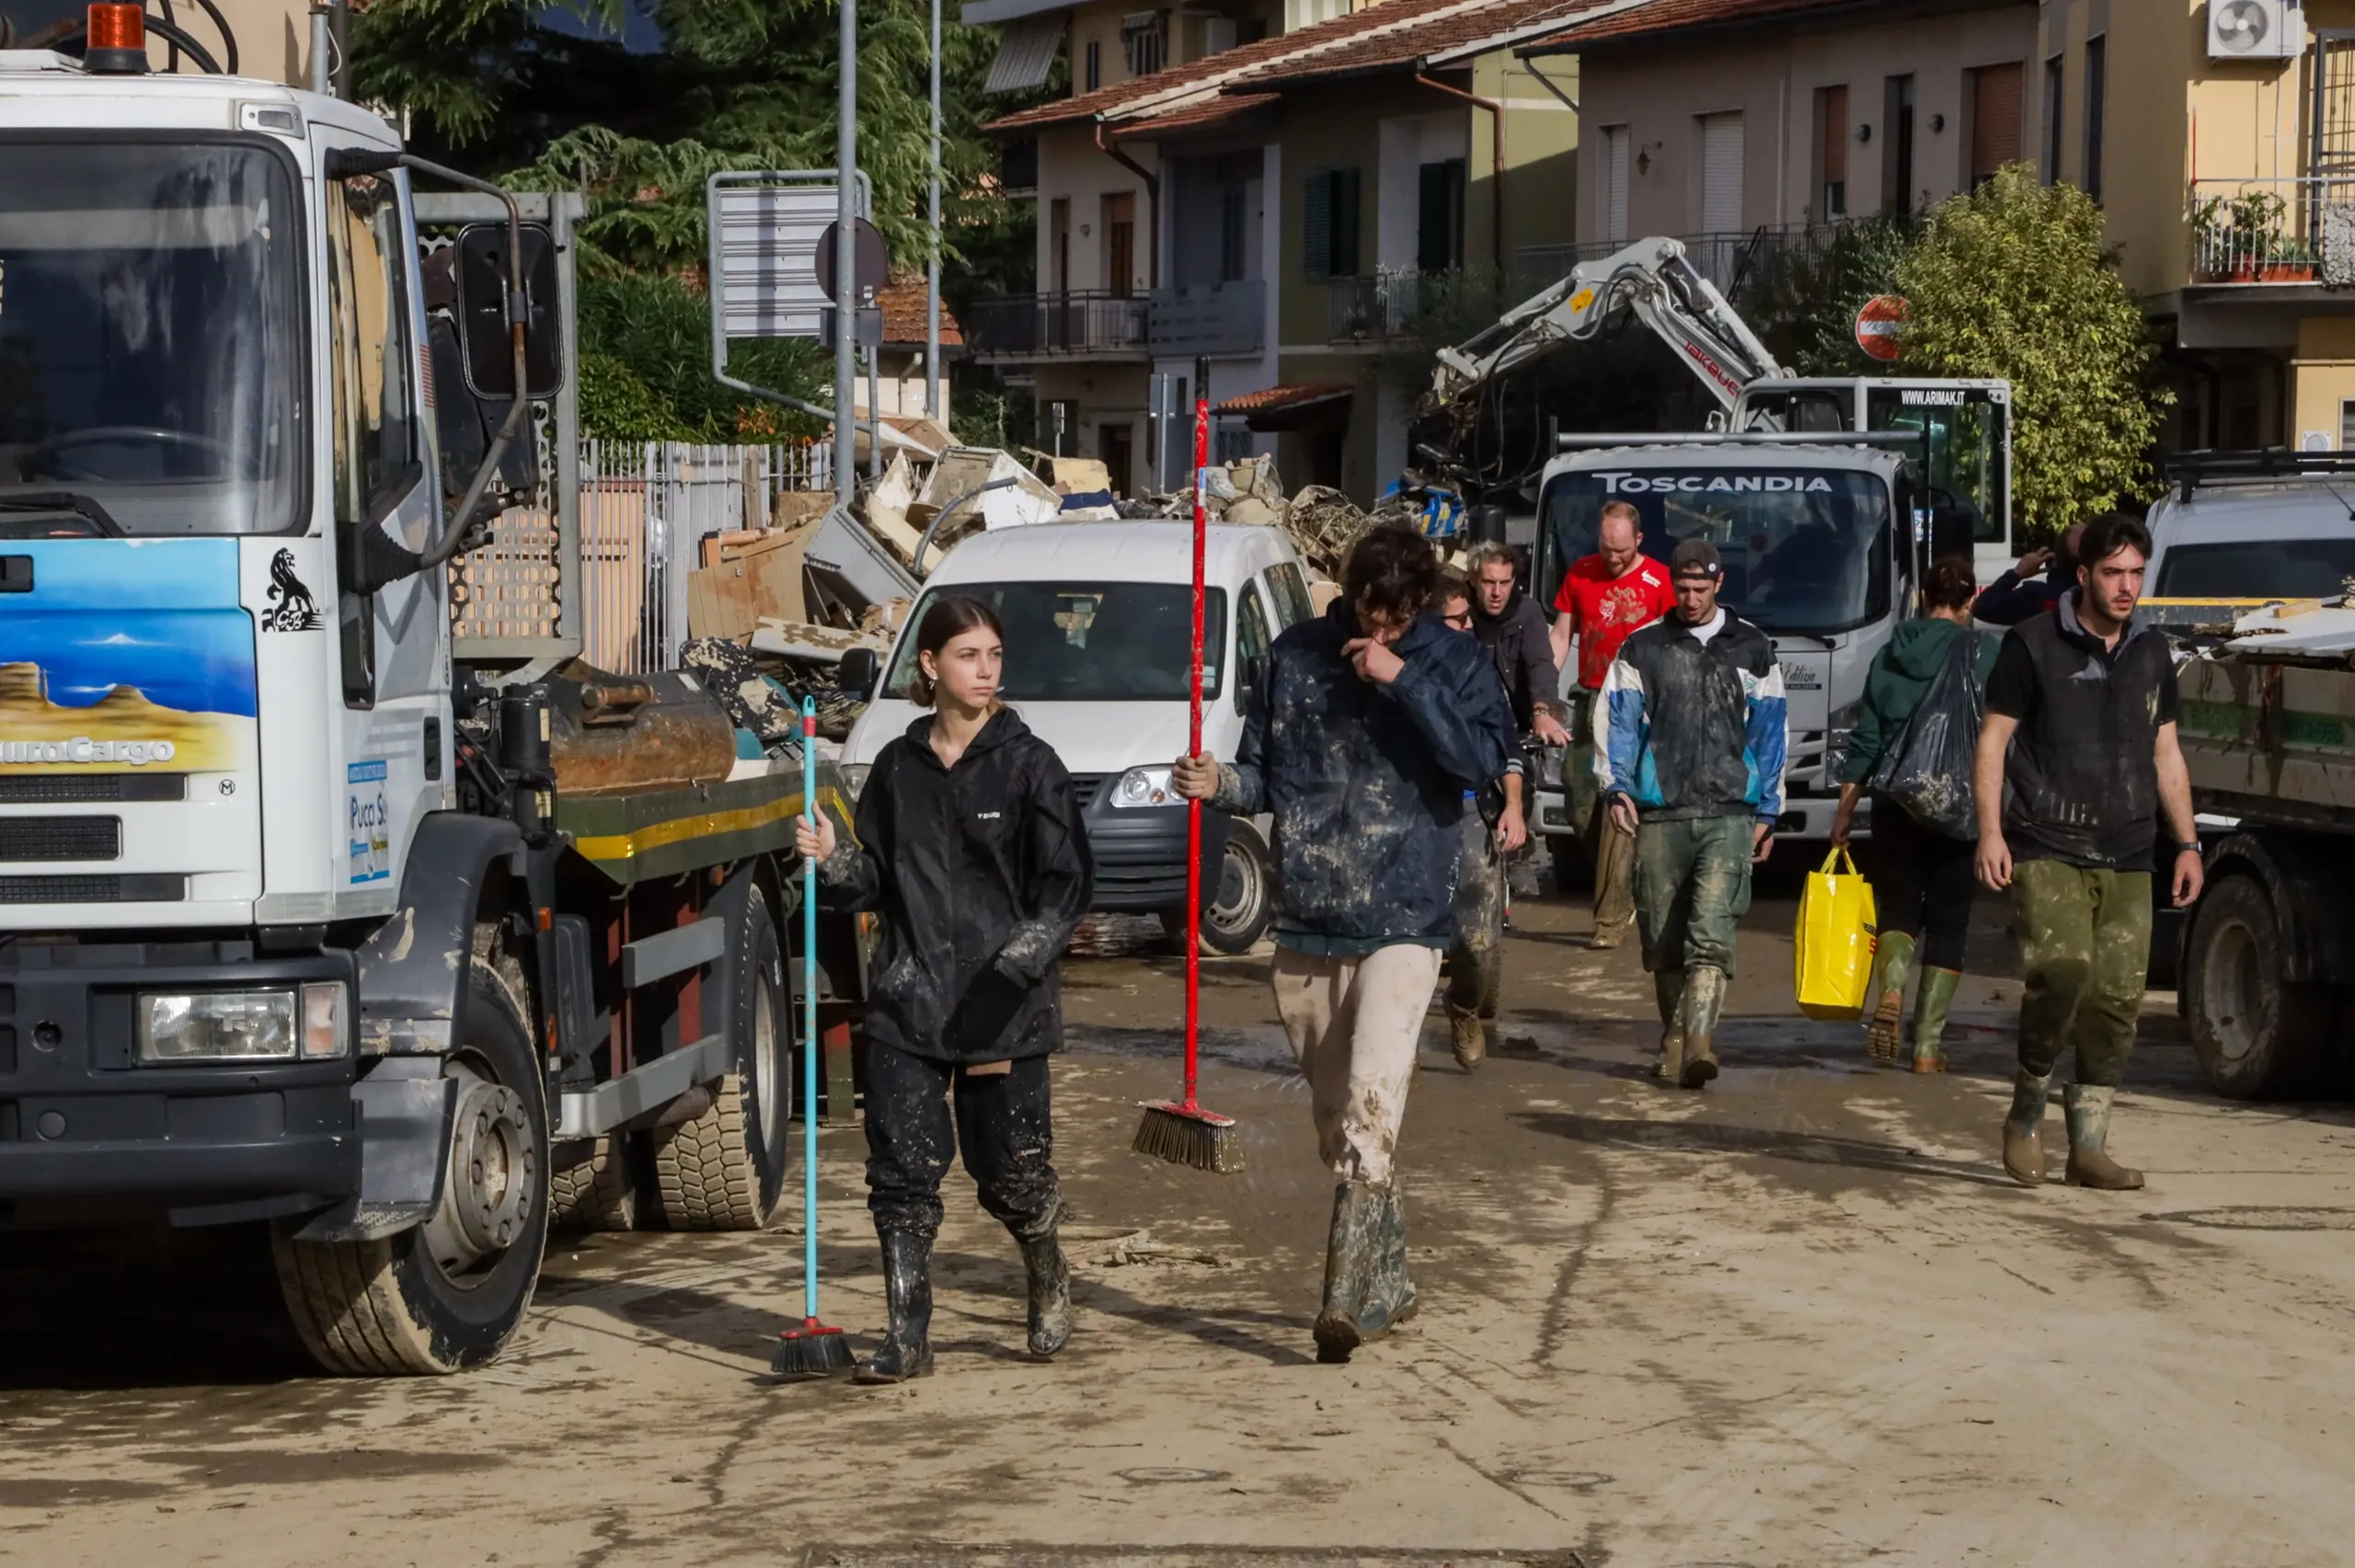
(724, 1170)
(598, 1191)
(447, 1295)
(2258, 1037)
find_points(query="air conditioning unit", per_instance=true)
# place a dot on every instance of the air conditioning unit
(2256, 29)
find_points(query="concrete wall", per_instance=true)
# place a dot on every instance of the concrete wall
(1771, 78)
(1070, 167)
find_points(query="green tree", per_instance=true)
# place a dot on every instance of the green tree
(2012, 279)
(1802, 299)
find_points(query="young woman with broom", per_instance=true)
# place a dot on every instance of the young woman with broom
(971, 849)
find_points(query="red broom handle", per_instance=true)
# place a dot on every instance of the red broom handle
(1194, 749)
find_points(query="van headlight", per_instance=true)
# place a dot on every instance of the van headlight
(242, 1026)
(1143, 786)
(854, 778)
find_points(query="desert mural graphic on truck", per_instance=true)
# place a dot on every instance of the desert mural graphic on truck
(126, 657)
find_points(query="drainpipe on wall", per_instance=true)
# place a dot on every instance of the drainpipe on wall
(1152, 202)
(1496, 150)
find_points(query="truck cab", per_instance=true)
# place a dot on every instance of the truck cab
(338, 893)
(1818, 553)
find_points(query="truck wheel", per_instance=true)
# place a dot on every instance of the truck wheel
(1241, 904)
(597, 1190)
(447, 1295)
(2256, 1036)
(724, 1170)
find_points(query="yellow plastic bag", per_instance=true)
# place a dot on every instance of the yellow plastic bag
(1832, 948)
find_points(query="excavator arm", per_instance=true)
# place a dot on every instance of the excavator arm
(1650, 278)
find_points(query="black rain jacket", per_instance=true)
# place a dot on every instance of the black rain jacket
(1521, 642)
(1367, 782)
(980, 874)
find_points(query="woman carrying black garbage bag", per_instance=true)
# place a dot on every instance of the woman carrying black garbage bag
(971, 851)
(1923, 877)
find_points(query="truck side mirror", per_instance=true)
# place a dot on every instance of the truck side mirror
(860, 672)
(482, 313)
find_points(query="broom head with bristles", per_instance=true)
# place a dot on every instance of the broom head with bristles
(812, 1352)
(1189, 1135)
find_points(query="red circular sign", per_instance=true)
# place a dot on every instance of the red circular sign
(1878, 326)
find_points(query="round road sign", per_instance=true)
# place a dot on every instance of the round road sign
(1878, 326)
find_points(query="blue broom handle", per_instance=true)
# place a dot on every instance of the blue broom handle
(809, 1017)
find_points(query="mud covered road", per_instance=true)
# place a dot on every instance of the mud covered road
(1799, 1319)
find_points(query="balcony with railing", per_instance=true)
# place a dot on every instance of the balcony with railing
(1197, 320)
(2273, 231)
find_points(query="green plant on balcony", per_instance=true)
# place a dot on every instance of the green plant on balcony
(2238, 238)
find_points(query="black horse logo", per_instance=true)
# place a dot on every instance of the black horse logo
(292, 609)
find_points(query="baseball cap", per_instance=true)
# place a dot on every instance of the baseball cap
(1695, 557)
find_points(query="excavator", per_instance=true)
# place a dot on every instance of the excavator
(1964, 426)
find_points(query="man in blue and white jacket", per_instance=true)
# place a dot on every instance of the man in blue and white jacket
(1692, 764)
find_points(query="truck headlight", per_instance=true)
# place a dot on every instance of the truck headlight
(326, 1033)
(220, 1025)
(1143, 786)
(1838, 726)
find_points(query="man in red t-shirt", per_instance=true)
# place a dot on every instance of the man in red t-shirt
(1603, 599)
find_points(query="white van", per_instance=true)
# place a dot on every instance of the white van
(1099, 621)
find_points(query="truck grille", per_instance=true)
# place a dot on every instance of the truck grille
(93, 890)
(64, 789)
(61, 838)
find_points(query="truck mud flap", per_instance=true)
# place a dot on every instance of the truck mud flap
(404, 1106)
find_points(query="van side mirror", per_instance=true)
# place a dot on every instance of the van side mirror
(1250, 676)
(482, 312)
(860, 673)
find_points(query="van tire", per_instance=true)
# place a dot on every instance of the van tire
(1238, 910)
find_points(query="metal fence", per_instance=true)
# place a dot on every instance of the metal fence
(646, 509)
(2273, 231)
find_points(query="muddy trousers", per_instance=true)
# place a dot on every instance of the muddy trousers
(1692, 889)
(1000, 1121)
(1476, 960)
(1354, 1023)
(1609, 851)
(2085, 941)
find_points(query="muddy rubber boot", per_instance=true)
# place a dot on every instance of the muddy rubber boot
(1396, 1288)
(2024, 1129)
(1931, 1000)
(1354, 1260)
(906, 1350)
(1893, 964)
(1668, 991)
(1705, 997)
(2087, 1109)
(1042, 1259)
(1470, 1035)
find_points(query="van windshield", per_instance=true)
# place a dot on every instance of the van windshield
(1088, 641)
(1806, 551)
(2258, 568)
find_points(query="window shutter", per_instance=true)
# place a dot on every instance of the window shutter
(1615, 184)
(1995, 118)
(1720, 173)
(1345, 222)
(1316, 225)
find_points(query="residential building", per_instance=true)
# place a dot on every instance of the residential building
(1729, 122)
(1263, 206)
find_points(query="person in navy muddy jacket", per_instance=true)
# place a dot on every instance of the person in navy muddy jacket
(1366, 730)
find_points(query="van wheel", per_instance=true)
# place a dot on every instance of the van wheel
(2256, 1036)
(447, 1295)
(724, 1170)
(1241, 904)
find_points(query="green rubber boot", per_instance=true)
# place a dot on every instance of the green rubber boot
(1931, 1000)
(2087, 1109)
(1668, 991)
(1705, 997)
(1892, 964)
(2024, 1129)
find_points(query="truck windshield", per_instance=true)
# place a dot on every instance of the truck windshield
(150, 344)
(1806, 551)
(2258, 568)
(1088, 641)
